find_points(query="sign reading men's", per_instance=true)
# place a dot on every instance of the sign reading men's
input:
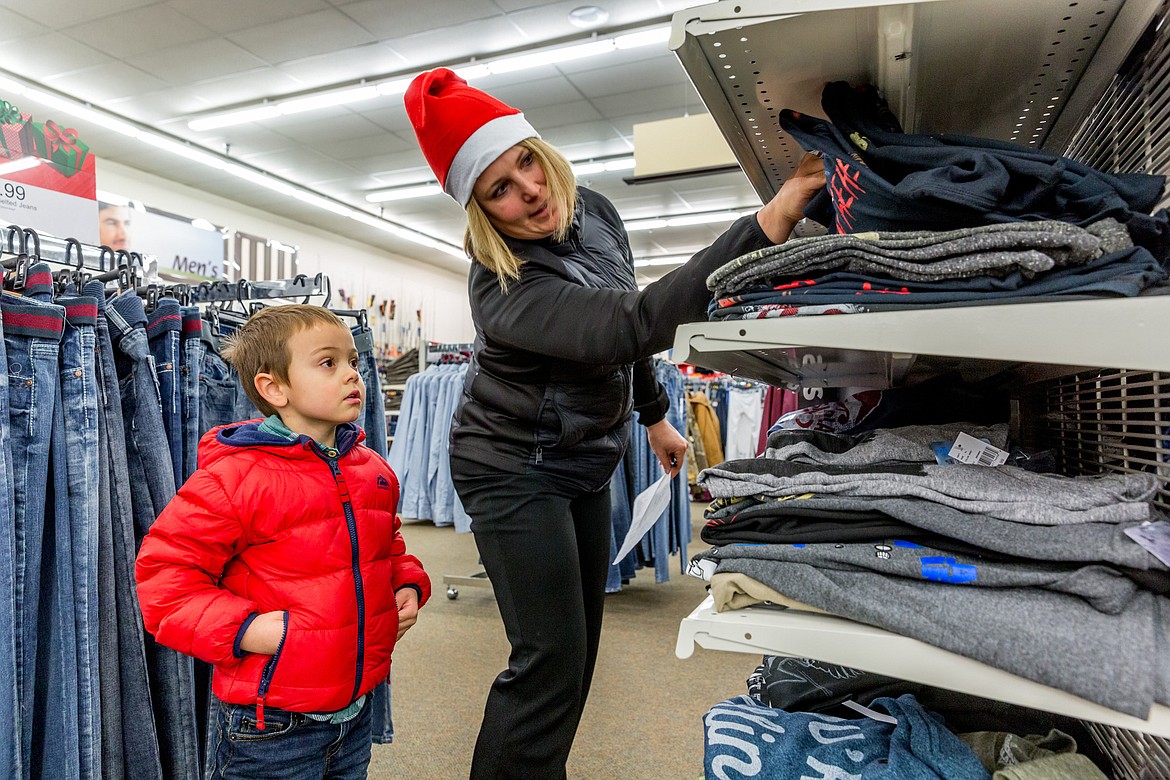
(46, 177)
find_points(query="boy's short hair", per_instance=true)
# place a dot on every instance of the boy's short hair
(260, 345)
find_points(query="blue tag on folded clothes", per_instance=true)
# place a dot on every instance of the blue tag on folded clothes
(941, 450)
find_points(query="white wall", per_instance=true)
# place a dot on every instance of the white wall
(361, 270)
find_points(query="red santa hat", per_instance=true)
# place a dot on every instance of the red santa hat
(461, 129)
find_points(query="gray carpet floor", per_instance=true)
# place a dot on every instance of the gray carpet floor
(643, 720)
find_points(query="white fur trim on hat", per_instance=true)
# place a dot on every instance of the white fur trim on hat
(481, 150)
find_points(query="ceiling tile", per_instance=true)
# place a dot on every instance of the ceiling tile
(226, 16)
(196, 61)
(328, 131)
(399, 18)
(586, 132)
(396, 162)
(392, 118)
(663, 72)
(245, 86)
(14, 26)
(43, 56)
(107, 82)
(142, 29)
(551, 20)
(347, 65)
(554, 89)
(292, 39)
(489, 36)
(547, 118)
(642, 101)
(358, 148)
(61, 13)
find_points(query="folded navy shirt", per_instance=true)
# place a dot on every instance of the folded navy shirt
(880, 178)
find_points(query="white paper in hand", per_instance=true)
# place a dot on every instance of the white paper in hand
(648, 507)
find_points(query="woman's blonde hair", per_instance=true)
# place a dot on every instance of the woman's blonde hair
(484, 244)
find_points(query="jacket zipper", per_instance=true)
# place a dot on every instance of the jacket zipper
(539, 455)
(355, 559)
(266, 675)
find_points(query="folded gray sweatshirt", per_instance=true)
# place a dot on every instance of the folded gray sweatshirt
(1006, 492)
(1053, 638)
(908, 444)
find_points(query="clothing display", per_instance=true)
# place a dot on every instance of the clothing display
(638, 470)
(946, 220)
(420, 452)
(744, 739)
(107, 400)
(1026, 561)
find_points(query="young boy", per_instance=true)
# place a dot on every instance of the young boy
(280, 561)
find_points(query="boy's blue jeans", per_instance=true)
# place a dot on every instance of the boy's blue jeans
(291, 746)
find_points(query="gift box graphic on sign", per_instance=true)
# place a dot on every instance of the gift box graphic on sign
(58, 145)
(12, 121)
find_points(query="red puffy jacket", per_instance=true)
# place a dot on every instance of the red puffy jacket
(268, 524)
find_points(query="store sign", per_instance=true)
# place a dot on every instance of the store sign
(46, 176)
(182, 249)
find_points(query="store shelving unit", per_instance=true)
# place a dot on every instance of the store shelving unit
(767, 631)
(1022, 72)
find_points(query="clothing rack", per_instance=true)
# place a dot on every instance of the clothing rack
(436, 352)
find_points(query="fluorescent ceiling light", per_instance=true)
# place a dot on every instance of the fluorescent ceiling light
(79, 111)
(257, 177)
(234, 118)
(20, 164)
(645, 38)
(203, 224)
(404, 193)
(333, 96)
(396, 87)
(189, 151)
(551, 56)
(603, 166)
(683, 220)
(327, 99)
(643, 262)
(645, 224)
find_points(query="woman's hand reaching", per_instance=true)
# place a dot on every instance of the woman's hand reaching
(780, 215)
(668, 445)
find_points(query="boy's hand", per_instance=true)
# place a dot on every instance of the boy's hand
(264, 634)
(407, 599)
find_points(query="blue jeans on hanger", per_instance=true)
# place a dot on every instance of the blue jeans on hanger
(172, 681)
(374, 414)
(217, 391)
(32, 339)
(80, 417)
(190, 360)
(57, 726)
(164, 329)
(134, 753)
(10, 739)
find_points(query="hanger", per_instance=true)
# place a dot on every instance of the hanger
(24, 260)
(75, 276)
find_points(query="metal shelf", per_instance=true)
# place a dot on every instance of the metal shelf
(1002, 69)
(875, 349)
(766, 631)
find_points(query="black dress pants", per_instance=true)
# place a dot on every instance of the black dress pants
(545, 546)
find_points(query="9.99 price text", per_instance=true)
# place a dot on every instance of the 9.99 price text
(13, 191)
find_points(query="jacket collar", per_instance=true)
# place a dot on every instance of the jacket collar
(251, 434)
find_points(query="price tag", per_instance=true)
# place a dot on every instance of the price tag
(1154, 537)
(968, 449)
